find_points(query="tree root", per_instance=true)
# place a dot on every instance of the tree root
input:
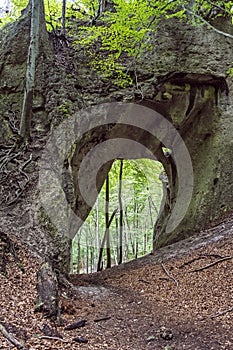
(12, 166)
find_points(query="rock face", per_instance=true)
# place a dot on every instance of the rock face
(183, 78)
(200, 106)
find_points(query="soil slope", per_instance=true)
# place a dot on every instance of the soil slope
(179, 298)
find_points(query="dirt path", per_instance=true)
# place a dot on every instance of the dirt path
(157, 302)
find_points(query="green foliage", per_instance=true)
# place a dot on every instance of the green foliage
(122, 35)
(230, 72)
(14, 13)
(114, 40)
(53, 11)
(209, 10)
(65, 108)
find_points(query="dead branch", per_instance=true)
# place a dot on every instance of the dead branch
(53, 338)
(102, 319)
(80, 340)
(76, 325)
(204, 256)
(10, 338)
(143, 281)
(212, 264)
(207, 23)
(222, 312)
(169, 276)
(213, 256)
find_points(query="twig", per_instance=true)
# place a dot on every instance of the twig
(53, 338)
(168, 274)
(102, 319)
(190, 261)
(213, 256)
(208, 24)
(143, 281)
(204, 256)
(222, 312)
(212, 264)
(218, 7)
(11, 339)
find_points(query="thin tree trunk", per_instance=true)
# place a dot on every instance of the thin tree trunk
(87, 256)
(121, 214)
(78, 256)
(64, 17)
(108, 248)
(97, 238)
(99, 265)
(126, 244)
(26, 116)
(117, 240)
(145, 242)
(152, 204)
(132, 241)
(136, 248)
(150, 212)
(92, 258)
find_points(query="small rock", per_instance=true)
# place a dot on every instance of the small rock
(80, 340)
(150, 338)
(76, 325)
(166, 333)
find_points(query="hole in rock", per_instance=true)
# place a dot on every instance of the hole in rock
(120, 226)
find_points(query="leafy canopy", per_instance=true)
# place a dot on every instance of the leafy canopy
(116, 36)
(116, 39)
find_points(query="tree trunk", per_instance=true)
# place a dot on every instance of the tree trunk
(47, 289)
(108, 248)
(97, 238)
(37, 11)
(100, 265)
(131, 239)
(78, 256)
(64, 17)
(121, 214)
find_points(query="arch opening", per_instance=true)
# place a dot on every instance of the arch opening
(120, 226)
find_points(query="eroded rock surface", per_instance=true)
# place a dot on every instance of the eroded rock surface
(184, 78)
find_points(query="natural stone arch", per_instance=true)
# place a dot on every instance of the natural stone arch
(181, 54)
(185, 100)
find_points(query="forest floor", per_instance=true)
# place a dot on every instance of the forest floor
(179, 298)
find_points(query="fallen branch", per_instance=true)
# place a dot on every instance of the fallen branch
(143, 281)
(10, 338)
(222, 312)
(212, 264)
(76, 325)
(169, 276)
(102, 319)
(53, 338)
(80, 340)
(204, 256)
